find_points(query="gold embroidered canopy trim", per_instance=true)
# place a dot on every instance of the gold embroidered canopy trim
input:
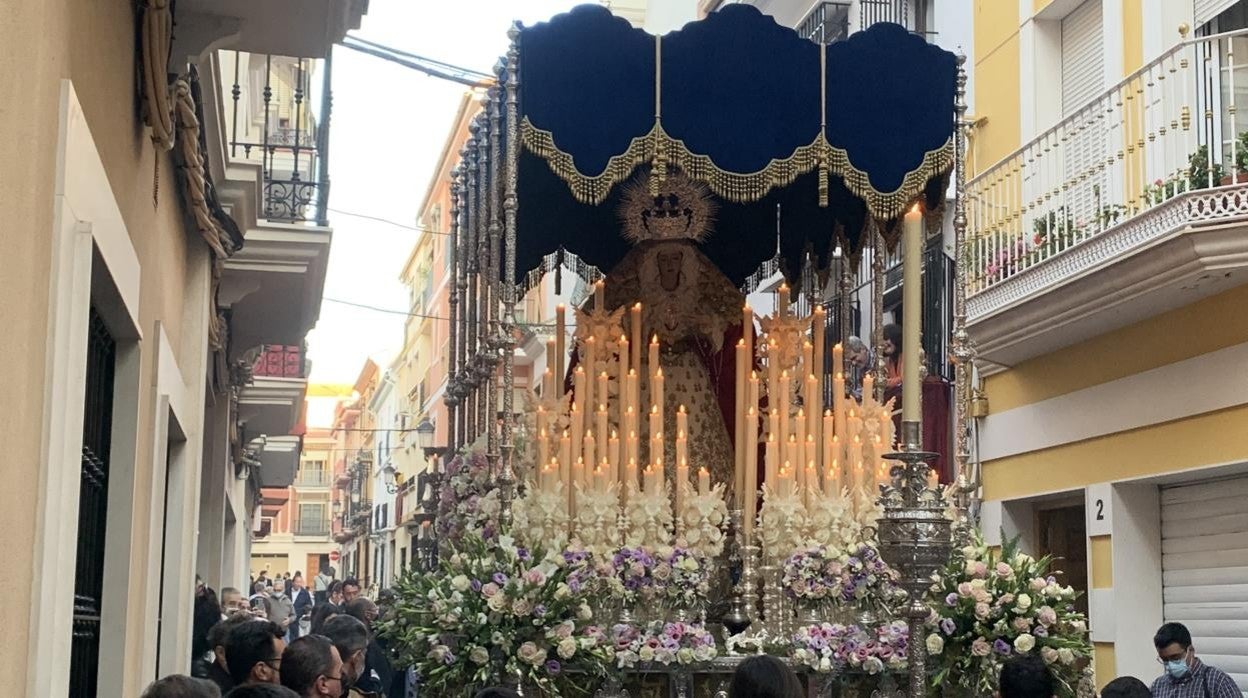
(658, 147)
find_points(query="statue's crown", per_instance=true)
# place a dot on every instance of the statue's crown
(675, 208)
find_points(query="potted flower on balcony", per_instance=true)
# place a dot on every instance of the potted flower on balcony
(1200, 172)
(1241, 162)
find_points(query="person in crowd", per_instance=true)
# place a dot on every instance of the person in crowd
(263, 578)
(1126, 687)
(351, 637)
(259, 599)
(213, 667)
(377, 661)
(261, 690)
(206, 613)
(180, 686)
(335, 592)
(496, 692)
(1025, 676)
(350, 589)
(1185, 674)
(320, 585)
(321, 613)
(281, 610)
(858, 355)
(232, 602)
(764, 676)
(312, 668)
(301, 602)
(253, 652)
(891, 349)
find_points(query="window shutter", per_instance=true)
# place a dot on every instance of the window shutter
(1204, 562)
(1083, 81)
(1206, 10)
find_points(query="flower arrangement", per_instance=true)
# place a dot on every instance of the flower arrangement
(684, 576)
(466, 502)
(630, 576)
(811, 575)
(866, 581)
(495, 607)
(828, 647)
(991, 606)
(663, 643)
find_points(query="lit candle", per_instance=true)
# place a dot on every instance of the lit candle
(587, 398)
(838, 403)
(799, 437)
(548, 384)
(656, 422)
(814, 409)
(600, 426)
(621, 383)
(811, 478)
(565, 458)
(747, 333)
(786, 480)
(782, 304)
(838, 359)
(854, 426)
(630, 478)
(682, 432)
(543, 443)
(773, 374)
(656, 449)
(808, 351)
(812, 458)
(576, 422)
(653, 479)
(613, 453)
(912, 313)
(786, 394)
(654, 353)
(868, 389)
(656, 392)
(588, 448)
(820, 329)
(792, 454)
(561, 330)
(634, 315)
(832, 483)
(682, 482)
(704, 482)
(552, 354)
(600, 303)
(750, 495)
(578, 482)
(631, 452)
(601, 394)
(855, 457)
(772, 459)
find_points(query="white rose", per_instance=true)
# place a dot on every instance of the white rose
(1065, 656)
(1022, 603)
(479, 655)
(935, 644)
(567, 648)
(584, 612)
(1048, 654)
(460, 583)
(1024, 643)
(562, 591)
(646, 653)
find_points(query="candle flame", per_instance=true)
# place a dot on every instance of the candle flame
(614, 435)
(681, 409)
(658, 373)
(915, 208)
(741, 343)
(827, 413)
(654, 338)
(637, 305)
(565, 433)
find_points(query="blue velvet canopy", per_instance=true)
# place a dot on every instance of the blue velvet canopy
(790, 136)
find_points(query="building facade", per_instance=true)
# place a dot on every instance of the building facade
(1107, 272)
(140, 446)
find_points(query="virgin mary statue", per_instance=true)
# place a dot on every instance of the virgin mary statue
(691, 307)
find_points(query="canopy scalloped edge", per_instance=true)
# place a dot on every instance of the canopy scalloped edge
(735, 186)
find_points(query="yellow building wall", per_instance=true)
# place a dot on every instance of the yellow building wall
(996, 97)
(1132, 36)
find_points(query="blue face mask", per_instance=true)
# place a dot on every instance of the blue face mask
(1177, 668)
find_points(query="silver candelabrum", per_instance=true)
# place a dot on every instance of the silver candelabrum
(741, 608)
(915, 540)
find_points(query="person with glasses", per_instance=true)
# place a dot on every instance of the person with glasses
(1186, 676)
(253, 652)
(351, 637)
(312, 667)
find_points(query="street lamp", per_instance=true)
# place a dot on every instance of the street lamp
(424, 436)
(390, 479)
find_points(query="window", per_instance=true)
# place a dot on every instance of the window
(313, 473)
(313, 519)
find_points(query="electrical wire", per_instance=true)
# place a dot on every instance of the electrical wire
(387, 221)
(365, 306)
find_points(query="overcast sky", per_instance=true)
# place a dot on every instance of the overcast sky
(389, 124)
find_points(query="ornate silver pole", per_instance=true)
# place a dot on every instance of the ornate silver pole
(489, 295)
(497, 337)
(452, 383)
(963, 349)
(470, 283)
(878, 250)
(510, 204)
(461, 282)
(842, 309)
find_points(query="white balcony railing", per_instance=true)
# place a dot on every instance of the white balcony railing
(1146, 140)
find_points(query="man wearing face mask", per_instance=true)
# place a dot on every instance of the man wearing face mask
(351, 637)
(1186, 676)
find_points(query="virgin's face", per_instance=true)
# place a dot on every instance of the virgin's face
(669, 263)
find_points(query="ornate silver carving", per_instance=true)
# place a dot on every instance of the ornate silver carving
(507, 476)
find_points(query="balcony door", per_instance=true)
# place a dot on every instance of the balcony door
(1084, 139)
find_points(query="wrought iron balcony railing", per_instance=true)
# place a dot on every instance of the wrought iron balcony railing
(313, 478)
(312, 527)
(1168, 128)
(830, 21)
(280, 112)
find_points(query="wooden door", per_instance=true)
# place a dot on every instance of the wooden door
(1062, 532)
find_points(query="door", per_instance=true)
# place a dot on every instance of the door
(1062, 532)
(1083, 81)
(1204, 563)
(92, 507)
(312, 569)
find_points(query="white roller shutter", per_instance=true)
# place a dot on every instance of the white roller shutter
(1204, 545)
(1083, 56)
(1206, 10)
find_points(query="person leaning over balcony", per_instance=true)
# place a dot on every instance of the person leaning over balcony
(1186, 676)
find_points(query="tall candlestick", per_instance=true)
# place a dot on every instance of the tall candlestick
(565, 458)
(600, 427)
(654, 354)
(589, 448)
(576, 415)
(656, 423)
(838, 404)
(578, 479)
(773, 444)
(782, 305)
(811, 456)
(653, 479)
(868, 389)
(600, 295)
(601, 393)
(747, 333)
(829, 436)
(682, 482)
(561, 333)
(630, 477)
(634, 326)
(912, 313)
(750, 495)
(808, 352)
(613, 454)
(799, 436)
(786, 394)
(704, 482)
(814, 409)
(632, 450)
(656, 449)
(682, 434)
(773, 375)
(621, 382)
(738, 440)
(819, 332)
(811, 478)
(786, 479)
(838, 359)
(656, 393)
(548, 383)
(552, 366)
(832, 479)
(855, 457)
(772, 459)
(543, 440)
(587, 398)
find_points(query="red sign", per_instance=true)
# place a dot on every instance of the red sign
(334, 555)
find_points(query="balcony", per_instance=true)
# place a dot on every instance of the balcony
(1133, 205)
(828, 22)
(312, 527)
(314, 479)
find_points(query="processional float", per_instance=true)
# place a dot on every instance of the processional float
(731, 145)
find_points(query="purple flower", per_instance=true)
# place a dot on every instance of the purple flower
(552, 667)
(539, 610)
(476, 585)
(449, 658)
(1001, 646)
(947, 626)
(952, 599)
(500, 578)
(1040, 631)
(523, 554)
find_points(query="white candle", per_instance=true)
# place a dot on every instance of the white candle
(799, 436)
(704, 482)
(587, 398)
(588, 448)
(682, 434)
(814, 409)
(634, 314)
(600, 426)
(820, 322)
(773, 375)
(577, 424)
(738, 440)
(868, 389)
(578, 480)
(548, 385)
(912, 313)
(630, 478)
(682, 482)
(750, 496)
(838, 404)
(838, 359)
(792, 455)
(782, 305)
(773, 447)
(812, 483)
(811, 455)
(656, 393)
(630, 440)
(543, 439)
(786, 480)
(808, 351)
(654, 354)
(784, 397)
(855, 457)
(561, 330)
(653, 479)
(747, 334)
(832, 483)
(828, 439)
(600, 296)
(621, 383)
(613, 454)
(565, 459)
(552, 354)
